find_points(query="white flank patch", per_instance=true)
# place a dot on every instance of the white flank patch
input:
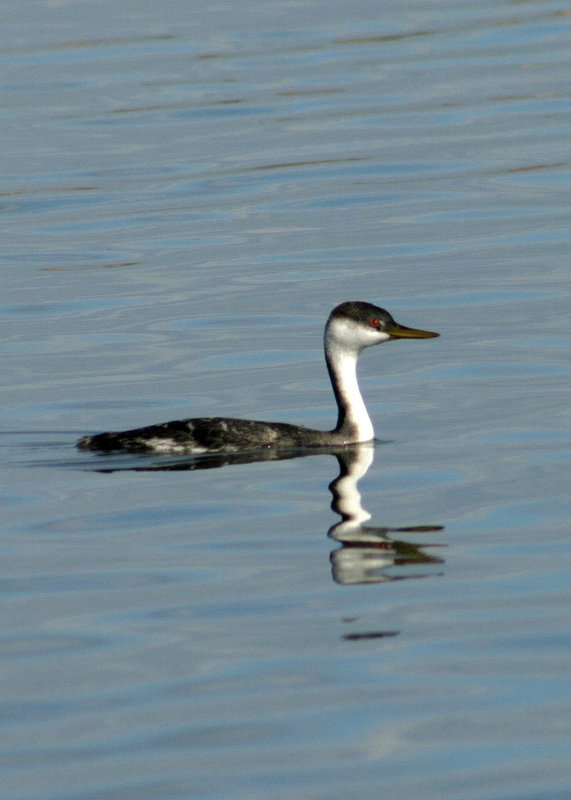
(162, 445)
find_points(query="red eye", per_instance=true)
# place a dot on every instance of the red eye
(375, 323)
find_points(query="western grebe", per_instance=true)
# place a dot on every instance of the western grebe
(351, 327)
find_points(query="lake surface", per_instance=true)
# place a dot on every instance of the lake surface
(186, 193)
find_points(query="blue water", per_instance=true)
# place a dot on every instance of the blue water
(185, 196)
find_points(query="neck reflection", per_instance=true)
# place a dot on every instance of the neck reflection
(368, 554)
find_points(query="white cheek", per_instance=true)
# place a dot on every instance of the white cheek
(374, 336)
(352, 336)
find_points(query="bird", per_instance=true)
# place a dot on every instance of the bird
(351, 327)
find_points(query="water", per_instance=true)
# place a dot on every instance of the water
(185, 196)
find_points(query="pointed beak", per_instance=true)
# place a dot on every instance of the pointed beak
(402, 332)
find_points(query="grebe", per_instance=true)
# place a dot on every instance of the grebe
(351, 327)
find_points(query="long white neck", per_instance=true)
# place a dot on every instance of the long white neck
(353, 421)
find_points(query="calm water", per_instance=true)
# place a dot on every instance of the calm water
(186, 193)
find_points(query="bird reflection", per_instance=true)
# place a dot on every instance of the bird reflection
(368, 553)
